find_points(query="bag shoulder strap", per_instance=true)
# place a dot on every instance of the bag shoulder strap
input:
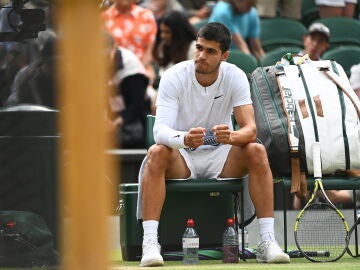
(288, 102)
(336, 79)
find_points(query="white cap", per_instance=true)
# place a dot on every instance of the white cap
(319, 28)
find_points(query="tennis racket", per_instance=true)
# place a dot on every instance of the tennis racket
(357, 222)
(321, 230)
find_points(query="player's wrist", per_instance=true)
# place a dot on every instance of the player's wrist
(177, 140)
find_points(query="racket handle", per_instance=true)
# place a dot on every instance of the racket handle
(299, 254)
(319, 253)
(316, 160)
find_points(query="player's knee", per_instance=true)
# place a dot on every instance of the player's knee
(256, 153)
(158, 152)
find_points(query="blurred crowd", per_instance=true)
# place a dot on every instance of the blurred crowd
(145, 38)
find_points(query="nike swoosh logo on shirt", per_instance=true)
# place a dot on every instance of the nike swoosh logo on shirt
(218, 96)
(177, 136)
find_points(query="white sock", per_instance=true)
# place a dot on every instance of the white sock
(150, 229)
(266, 228)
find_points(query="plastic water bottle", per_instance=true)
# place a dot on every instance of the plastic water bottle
(230, 243)
(246, 238)
(190, 244)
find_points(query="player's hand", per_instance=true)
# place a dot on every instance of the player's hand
(222, 133)
(195, 137)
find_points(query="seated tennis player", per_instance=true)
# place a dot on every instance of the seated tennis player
(195, 139)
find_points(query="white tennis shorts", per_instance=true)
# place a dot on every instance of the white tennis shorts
(206, 162)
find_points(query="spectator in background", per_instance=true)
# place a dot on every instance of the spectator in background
(18, 54)
(15, 56)
(290, 9)
(132, 27)
(355, 78)
(129, 104)
(243, 21)
(316, 41)
(197, 10)
(35, 83)
(175, 42)
(161, 7)
(336, 8)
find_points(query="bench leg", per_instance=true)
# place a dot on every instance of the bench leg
(236, 206)
(285, 220)
(242, 224)
(356, 230)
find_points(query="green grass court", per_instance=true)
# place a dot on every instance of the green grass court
(346, 262)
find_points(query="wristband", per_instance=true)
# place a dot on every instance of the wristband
(177, 141)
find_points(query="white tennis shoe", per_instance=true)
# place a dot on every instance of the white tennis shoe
(270, 252)
(151, 254)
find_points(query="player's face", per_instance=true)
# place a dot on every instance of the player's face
(208, 56)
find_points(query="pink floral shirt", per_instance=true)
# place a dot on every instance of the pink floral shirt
(135, 30)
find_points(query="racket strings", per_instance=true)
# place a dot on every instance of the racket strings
(321, 233)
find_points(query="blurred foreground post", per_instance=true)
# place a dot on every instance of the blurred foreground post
(83, 169)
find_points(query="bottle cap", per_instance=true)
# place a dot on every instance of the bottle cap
(190, 222)
(230, 222)
(11, 224)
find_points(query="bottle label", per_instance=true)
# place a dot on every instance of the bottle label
(190, 243)
(230, 254)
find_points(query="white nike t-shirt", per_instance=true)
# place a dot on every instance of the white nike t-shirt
(182, 103)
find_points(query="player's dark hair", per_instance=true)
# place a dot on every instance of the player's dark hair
(218, 32)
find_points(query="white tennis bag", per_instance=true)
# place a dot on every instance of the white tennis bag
(320, 94)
